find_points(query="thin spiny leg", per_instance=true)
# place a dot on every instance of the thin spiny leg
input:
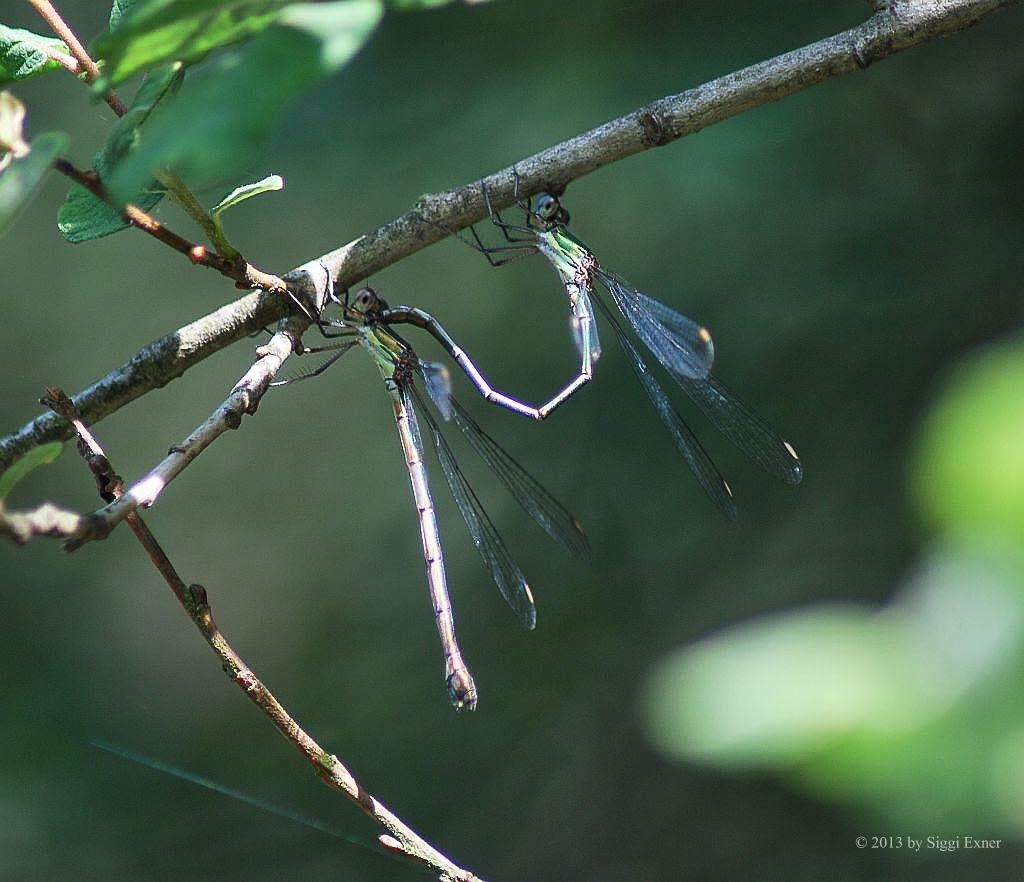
(311, 350)
(524, 204)
(342, 347)
(497, 220)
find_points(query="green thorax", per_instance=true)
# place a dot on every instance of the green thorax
(567, 254)
(385, 347)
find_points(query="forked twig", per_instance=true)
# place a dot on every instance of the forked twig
(399, 838)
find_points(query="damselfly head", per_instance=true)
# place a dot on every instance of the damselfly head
(550, 210)
(367, 303)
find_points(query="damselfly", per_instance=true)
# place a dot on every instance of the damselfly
(366, 319)
(682, 346)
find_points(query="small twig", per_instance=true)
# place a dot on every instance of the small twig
(243, 399)
(68, 62)
(243, 274)
(57, 24)
(194, 208)
(195, 601)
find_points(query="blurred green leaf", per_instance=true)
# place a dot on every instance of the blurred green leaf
(39, 456)
(83, 216)
(864, 705)
(219, 120)
(969, 473)
(23, 53)
(772, 692)
(176, 30)
(240, 194)
(19, 180)
(119, 9)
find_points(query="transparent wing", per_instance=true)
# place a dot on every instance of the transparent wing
(583, 323)
(682, 346)
(556, 520)
(507, 576)
(704, 470)
(745, 429)
(438, 381)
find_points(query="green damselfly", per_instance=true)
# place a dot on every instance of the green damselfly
(366, 319)
(682, 346)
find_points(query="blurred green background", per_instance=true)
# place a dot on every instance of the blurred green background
(704, 701)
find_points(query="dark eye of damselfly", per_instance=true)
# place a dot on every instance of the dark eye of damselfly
(548, 207)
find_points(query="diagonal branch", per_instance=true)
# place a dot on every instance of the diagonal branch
(243, 274)
(901, 25)
(399, 838)
(243, 399)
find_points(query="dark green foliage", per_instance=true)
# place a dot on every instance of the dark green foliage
(83, 216)
(22, 53)
(144, 34)
(215, 126)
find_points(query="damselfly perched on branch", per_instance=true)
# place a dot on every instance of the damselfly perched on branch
(365, 319)
(682, 346)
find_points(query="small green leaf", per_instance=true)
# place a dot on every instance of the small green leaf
(176, 30)
(23, 53)
(119, 10)
(19, 180)
(42, 455)
(240, 194)
(215, 126)
(83, 216)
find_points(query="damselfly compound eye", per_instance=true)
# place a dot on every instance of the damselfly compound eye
(548, 206)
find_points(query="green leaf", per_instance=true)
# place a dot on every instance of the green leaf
(240, 194)
(970, 473)
(21, 177)
(23, 53)
(217, 123)
(83, 216)
(119, 10)
(176, 30)
(42, 455)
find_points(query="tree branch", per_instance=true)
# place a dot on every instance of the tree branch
(903, 24)
(243, 274)
(400, 838)
(60, 27)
